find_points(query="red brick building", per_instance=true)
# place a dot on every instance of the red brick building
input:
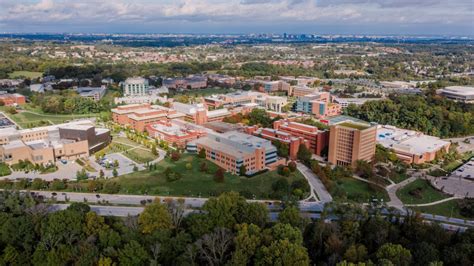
(12, 99)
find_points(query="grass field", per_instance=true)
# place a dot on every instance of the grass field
(4, 169)
(359, 191)
(26, 74)
(140, 155)
(27, 119)
(208, 91)
(419, 192)
(196, 183)
(448, 208)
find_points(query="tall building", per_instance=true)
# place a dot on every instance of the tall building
(135, 86)
(350, 141)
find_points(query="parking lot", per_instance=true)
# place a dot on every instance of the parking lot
(125, 165)
(460, 183)
(465, 171)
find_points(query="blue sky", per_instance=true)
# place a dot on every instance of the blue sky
(453, 17)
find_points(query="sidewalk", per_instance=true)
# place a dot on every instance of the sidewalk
(316, 185)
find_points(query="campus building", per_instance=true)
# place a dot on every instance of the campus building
(175, 132)
(318, 104)
(46, 145)
(350, 141)
(410, 146)
(278, 85)
(298, 91)
(190, 82)
(198, 113)
(138, 116)
(233, 149)
(12, 99)
(458, 93)
(247, 98)
(93, 93)
(135, 86)
(318, 139)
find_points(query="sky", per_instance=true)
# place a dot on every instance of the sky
(413, 17)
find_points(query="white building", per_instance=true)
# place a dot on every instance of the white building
(458, 93)
(135, 87)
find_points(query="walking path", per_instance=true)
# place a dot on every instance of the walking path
(432, 203)
(318, 190)
(395, 202)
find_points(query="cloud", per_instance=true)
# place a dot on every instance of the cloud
(65, 14)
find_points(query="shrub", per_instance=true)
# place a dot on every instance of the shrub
(111, 187)
(189, 166)
(203, 167)
(219, 175)
(175, 156)
(57, 185)
(292, 166)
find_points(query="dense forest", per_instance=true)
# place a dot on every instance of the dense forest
(429, 113)
(229, 231)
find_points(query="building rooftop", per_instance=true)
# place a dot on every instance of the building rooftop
(459, 90)
(343, 118)
(408, 140)
(353, 125)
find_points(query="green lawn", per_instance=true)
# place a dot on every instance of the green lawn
(359, 191)
(448, 209)
(140, 155)
(27, 120)
(208, 91)
(452, 166)
(418, 192)
(4, 169)
(196, 183)
(398, 177)
(26, 74)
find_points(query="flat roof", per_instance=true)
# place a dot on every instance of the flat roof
(353, 125)
(408, 140)
(459, 90)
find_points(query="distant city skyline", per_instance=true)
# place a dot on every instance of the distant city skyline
(410, 17)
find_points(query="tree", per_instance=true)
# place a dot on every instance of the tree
(247, 242)
(115, 172)
(356, 253)
(154, 216)
(214, 248)
(203, 167)
(133, 254)
(219, 175)
(81, 175)
(303, 154)
(154, 151)
(394, 253)
(282, 252)
(292, 166)
(175, 156)
(94, 224)
(202, 153)
(242, 170)
(291, 215)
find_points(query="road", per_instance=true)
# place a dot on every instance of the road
(315, 184)
(125, 211)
